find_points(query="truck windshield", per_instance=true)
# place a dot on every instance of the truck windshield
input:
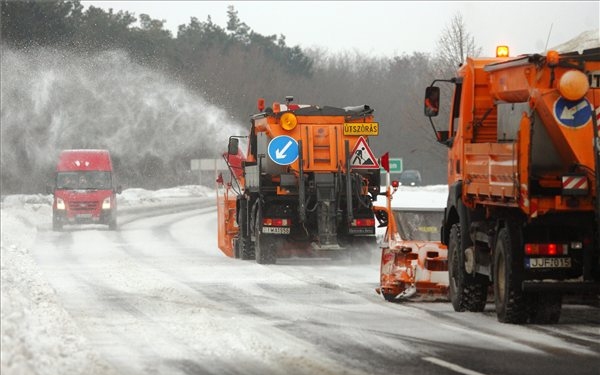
(418, 225)
(83, 180)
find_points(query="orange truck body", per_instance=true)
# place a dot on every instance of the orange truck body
(298, 196)
(84, 189)
(522, 210)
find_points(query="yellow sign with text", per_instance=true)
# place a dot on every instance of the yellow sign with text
(362, 128)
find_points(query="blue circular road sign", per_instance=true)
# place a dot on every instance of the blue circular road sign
(572, 114)
(283, 150)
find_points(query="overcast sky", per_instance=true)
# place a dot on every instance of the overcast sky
(386, 28)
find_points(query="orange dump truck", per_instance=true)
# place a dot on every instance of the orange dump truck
(305, 185)
(522, 209)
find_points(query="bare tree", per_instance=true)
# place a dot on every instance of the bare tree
(455, 44)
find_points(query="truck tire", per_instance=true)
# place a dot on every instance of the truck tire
(236, 248)
(245, 245)
(246, 248)
(56, 224)
(264, 244)
(467, 292)
(511, 302)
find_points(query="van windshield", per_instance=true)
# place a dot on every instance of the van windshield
(83, 180)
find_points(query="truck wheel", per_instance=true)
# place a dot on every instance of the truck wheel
(511, 303)
(56, 224)
(265, 245)
(265, 249)
(544, 308)
(236, 248)
(467, 292)
(246, 248)
(245, 245)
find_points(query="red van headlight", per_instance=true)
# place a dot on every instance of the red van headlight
(106, 203)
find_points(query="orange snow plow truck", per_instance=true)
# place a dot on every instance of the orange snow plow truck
(522, 212)
(305, 186)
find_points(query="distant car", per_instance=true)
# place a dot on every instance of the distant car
(410, 177)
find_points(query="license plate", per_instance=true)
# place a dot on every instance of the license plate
(84, 216)
(276, 230)
(548, 263)
(365, 230)
(364, 128)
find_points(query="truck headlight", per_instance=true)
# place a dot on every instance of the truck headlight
(106, 203)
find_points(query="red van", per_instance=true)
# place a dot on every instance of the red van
(84, 189)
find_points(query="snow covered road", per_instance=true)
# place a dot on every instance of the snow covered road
(158, 297)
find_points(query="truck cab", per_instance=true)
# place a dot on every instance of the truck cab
(84, 189)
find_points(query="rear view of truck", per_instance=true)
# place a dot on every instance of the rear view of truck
(84, 189)
(523, 209)
(305, 186)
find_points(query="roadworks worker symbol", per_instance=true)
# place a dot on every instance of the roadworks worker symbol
(362, 156)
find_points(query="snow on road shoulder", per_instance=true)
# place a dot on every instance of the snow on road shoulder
(38, 336)
(142, 197)
(431, 196)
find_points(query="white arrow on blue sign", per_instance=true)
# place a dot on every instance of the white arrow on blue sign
(283, 150)
(572, 114)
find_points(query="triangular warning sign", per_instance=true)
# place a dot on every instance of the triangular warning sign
(362, 156)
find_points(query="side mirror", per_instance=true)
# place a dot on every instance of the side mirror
(432, 101)
(233, 146)
(49, 189)
(119, 189)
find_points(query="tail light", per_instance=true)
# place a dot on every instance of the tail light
(546, 249)
(370, 222)
(271, 222)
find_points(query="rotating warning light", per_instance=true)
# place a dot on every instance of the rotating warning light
(502, 51)
(573, 85)
(288, 121)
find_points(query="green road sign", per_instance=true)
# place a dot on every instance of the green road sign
(395, 165)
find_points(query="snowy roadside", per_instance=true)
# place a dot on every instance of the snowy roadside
(38, 336)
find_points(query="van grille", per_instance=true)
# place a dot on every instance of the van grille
(83, 206)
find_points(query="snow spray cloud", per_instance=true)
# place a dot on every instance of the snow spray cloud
(53, 100)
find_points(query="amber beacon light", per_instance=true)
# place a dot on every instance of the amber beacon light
(502, 51)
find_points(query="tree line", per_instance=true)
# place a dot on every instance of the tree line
(231, 66)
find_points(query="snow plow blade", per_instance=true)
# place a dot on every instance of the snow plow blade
(414, 266)
(415, 271)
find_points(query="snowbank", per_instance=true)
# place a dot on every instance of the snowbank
(38, 336)
(433, 196)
